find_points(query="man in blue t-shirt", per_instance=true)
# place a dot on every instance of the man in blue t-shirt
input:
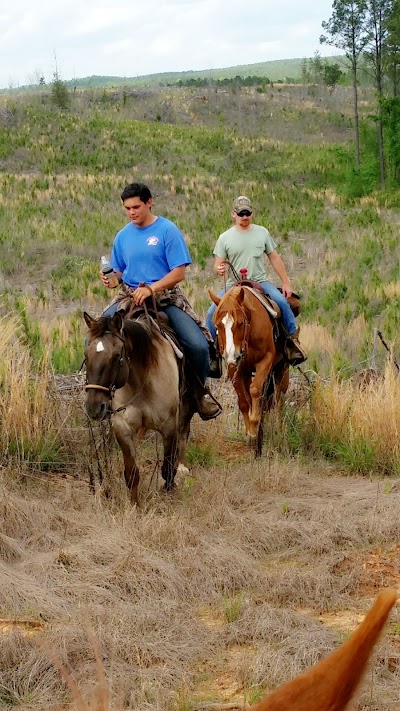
(151, 250)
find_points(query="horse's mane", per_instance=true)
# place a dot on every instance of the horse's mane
(229, 300)
(141, 339)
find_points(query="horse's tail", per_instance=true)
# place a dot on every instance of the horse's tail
(330, 684)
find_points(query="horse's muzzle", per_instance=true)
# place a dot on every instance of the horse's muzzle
(96, 410)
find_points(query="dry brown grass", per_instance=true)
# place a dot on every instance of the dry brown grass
(257, 546)
(226, 588)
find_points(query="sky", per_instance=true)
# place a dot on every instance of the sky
(131, 38)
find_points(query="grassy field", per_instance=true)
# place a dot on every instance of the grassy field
(252, 570)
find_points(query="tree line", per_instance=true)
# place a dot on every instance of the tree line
(315, 70)
(368, 31)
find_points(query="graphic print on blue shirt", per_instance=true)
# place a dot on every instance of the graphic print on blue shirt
(147, 254)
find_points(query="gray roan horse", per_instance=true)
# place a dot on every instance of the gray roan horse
(132, 371)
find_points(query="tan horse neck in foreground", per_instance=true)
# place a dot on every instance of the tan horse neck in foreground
(330, 684)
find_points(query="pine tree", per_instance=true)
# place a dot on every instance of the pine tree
(393, 48)
(59, 92)
(345, 30)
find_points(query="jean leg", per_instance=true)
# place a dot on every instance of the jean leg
(210, 316)
(110, 310)
(192, 339)
(287, 314)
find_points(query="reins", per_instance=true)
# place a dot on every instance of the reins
(245, 341)
(233, 272)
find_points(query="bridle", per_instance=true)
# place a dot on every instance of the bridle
(113, 387)
(245, 340)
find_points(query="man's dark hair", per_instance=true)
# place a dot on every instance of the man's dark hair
(139, 190)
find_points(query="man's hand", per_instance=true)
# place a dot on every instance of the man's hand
(286, 290)
(104, 279)
(221, 269)
(141, 293)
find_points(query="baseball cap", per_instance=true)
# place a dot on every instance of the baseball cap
(242, 203)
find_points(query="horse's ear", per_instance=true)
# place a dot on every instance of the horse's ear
(240, 296)
(117, 321)
(89, 320)
(331, 683)
(216, 299)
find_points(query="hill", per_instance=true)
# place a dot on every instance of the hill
(280, 69)
(276, 70)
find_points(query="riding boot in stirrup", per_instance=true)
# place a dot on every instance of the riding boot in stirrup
(207, 405)
(293, 351)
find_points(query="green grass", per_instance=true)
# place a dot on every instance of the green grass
(60, 209)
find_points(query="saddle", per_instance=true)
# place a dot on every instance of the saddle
(294, 299)
(158, 318)
(161, 321)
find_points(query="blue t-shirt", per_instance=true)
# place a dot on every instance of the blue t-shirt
(147, 254)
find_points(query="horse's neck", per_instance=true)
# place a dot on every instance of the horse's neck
(142, 342)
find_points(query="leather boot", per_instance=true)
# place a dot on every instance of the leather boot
(207, 405)
(293, 351)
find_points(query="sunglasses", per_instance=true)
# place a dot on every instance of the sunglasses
(244, 213)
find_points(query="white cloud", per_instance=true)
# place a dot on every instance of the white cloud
(94, 19)
(94, 37)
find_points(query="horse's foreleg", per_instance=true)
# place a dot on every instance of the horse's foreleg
(278, 385)
(262, 371)
(126, 441)
(131, 473)
(241, 383)
(170, 462)
(186, 411)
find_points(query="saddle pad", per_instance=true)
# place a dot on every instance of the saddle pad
(268, 303)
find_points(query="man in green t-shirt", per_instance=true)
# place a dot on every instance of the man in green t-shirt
(244, 246)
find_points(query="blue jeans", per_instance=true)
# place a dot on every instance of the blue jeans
(288, 319)
(190, 336)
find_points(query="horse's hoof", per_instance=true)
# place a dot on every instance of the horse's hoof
(169, 486)
(182, 469)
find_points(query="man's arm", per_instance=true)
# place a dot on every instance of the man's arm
(280, 269)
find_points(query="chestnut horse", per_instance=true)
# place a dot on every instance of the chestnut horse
(133, 373)
(253, 354)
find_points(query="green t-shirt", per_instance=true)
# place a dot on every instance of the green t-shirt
(245, 250)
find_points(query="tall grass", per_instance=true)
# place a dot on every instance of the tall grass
(31, 427)
(349, 422)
